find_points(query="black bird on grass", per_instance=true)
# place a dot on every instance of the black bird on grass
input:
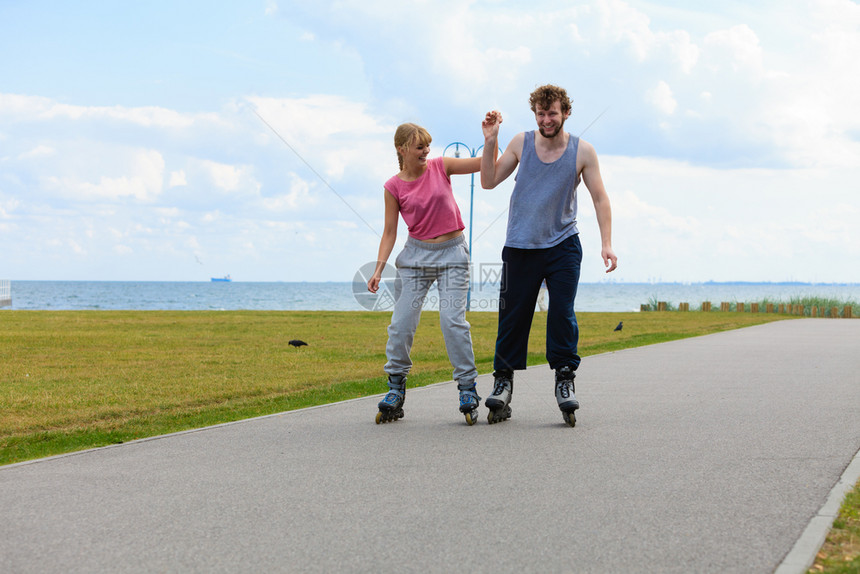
(297, 343)
(618, 327)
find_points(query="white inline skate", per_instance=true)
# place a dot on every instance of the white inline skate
(567, 402)
(499, 401)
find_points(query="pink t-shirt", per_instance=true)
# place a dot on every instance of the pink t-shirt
(427, 204)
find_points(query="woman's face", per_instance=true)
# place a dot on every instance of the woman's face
(415, 154)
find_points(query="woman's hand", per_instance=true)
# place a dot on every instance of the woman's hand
(373, 282)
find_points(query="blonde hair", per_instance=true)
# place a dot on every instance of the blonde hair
(408, 134)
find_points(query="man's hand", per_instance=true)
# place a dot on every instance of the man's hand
(491, 123)
(609, 259)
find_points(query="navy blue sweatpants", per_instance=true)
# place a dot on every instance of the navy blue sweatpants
(523, 271)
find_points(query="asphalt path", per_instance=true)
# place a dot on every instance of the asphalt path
(723, 453)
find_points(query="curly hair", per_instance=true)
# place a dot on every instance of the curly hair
(408, 134)
(544, 96)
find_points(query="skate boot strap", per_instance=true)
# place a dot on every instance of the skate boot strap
(565, 374)
(469, 386)
(397, 382)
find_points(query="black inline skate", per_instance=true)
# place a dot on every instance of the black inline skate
(391, 406)
(564, 388)
(499, 401)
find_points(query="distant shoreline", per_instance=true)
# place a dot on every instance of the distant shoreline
(602, 283)
(348, 296)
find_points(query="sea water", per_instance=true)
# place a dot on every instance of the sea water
(343, 296)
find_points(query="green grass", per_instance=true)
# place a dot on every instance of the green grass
(71, 380)
(824, 304)
(840, 553)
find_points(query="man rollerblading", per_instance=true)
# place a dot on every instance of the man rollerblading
(499, 401)
(567, 402)
(469, 402)
(391, 406)
(542, 242)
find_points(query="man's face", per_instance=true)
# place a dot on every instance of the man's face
(550, 121)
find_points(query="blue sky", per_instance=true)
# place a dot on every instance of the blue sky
(132, 145)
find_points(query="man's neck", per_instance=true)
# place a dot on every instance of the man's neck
(558, 141)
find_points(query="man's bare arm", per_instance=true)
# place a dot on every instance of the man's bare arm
(594, 182)
(495, 171)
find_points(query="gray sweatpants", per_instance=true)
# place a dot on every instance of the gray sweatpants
(419, 265)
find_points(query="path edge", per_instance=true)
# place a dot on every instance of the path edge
(802, 555)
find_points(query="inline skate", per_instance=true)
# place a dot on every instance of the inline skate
(499, 401)
(391, 406)
(564, 388)
(469, 403)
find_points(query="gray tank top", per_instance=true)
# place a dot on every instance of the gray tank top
(543, 205)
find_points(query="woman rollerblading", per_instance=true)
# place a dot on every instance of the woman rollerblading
(391, 406)
(499, 401)
(469, 402)
(567, 402)
(436, 252)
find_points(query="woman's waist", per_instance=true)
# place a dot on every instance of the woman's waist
(444, 241)
(441, 238)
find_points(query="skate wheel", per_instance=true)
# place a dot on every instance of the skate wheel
(379, 417)
(499, 415)
(471, 419)
(570, 418)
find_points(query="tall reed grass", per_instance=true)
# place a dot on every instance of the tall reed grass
(824, 305)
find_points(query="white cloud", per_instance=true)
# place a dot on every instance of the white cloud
(40, 151)
(142, 181)
(178, 179)
(8, 206)
(317, 119)
(327, 133)
(660, 219)
(682, 222)
(811, 111)
(227, 177)
(622, 24)
(739, 47)
(298, 197)
(40, 109)
(662, 99)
